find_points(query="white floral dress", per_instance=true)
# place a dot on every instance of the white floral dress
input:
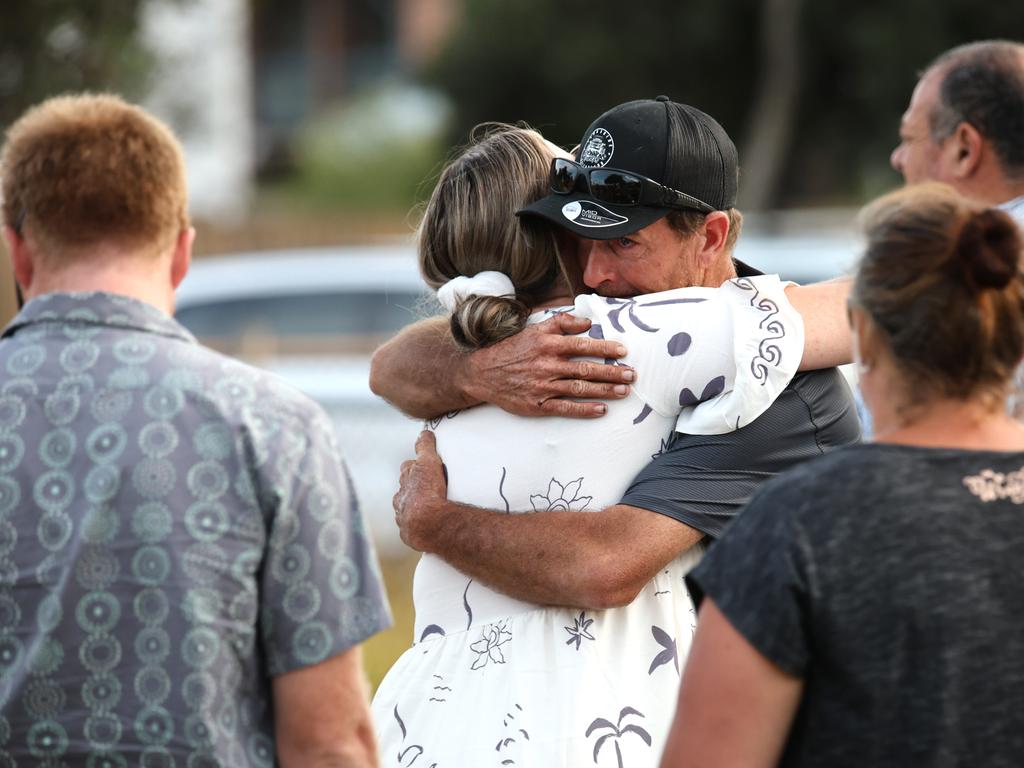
(491, 680)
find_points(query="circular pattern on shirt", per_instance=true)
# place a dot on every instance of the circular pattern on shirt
(106, 759)
(200, 647)
(8, 572)
(43, 698)
(156, 757)
(152, 645)
(359, 618)
(10, 612)
(106, 443)
(79, 356)
(54, 490)
(204, 562)
(227, 718)
(83, 315)
(206, 520)
(47, 739)
(48, 657)
(12, 450)
(152, 685)
(98, 612)
(290, 565)
(152, 521)
(197, 730)
(96, 568)
(234, 390)
(100, 653)
(163, 402)
(311, 642)
(322, 503)
(57, 447)
(134, 350)
(198, 690)
(102, 730)
(128, 377)
(345, 578)
(62, 406)
(10, 494)
(184, 379)
(285, 530)
(8, 537)
(154, 478)
(154, 726)
(110, 404)
(213, 441)
(205, 759)
(49, 613)
(202, 605)
(50, 571)
(102, 483)
(244, 608)
(332, 539)
(101, 692)
(20, 387)
(260, 750)
(11, 651)
(151, 565)
(151, 606)
(54, 531)
(26, 361)
(158, 439)
(100, 525)
(207, 480)
(301, 602)
(80, 383)
(12, 412)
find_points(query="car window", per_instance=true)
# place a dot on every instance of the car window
(356, 313)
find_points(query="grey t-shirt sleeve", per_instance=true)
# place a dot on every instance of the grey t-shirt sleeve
(321, 589)
(759, 575)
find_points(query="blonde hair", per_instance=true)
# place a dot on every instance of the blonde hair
(84, 169)
(470, 226)
(941, 280)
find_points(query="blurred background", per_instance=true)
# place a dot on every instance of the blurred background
(313, 130)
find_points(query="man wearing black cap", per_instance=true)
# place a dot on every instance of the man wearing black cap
(652, 199)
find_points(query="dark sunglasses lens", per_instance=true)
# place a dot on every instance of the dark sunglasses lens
(615, 187)
(563, 177)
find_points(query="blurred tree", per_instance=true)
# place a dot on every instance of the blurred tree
(54, 46)
(815, 89)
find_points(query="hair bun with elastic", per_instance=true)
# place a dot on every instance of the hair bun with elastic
(989, 248)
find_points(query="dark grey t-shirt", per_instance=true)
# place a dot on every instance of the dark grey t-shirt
(891, 579)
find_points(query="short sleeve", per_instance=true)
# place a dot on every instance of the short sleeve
(716, 358)
(760, 576)
(321, 589)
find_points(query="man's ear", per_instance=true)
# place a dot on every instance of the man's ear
(182, 257)
(962, 151)
(716, 233)
(21, 257)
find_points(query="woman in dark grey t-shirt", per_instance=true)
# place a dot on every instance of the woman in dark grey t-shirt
(867, 608)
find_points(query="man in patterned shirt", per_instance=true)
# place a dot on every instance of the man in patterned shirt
(184, 573)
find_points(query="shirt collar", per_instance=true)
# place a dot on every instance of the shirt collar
(100, 309)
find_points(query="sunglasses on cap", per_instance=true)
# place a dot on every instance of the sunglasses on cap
(616, 187)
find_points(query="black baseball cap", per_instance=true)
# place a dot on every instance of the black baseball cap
(673, 144)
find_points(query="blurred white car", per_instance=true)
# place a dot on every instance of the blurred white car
(314, 316)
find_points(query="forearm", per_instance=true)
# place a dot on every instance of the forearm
(580, 559)
(827, 339)
(418, 371)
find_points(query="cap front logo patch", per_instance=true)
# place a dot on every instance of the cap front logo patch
(598, 149)
(588, 214)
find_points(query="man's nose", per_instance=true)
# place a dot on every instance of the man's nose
(596, 264)
(896, 158)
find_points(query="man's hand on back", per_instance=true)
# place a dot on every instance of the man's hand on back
(422, 491)
(534, 374)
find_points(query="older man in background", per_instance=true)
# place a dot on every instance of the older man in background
(184, 577)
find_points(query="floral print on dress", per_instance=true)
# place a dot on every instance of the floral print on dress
(580, 630)
(614, 732)
(561, 498)
(488, 647)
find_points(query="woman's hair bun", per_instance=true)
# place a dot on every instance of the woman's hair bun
(989, 248)
(482, 320)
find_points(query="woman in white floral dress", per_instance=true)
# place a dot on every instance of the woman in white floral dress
(492, 680)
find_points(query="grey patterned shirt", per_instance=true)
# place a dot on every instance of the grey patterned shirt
(175, 529)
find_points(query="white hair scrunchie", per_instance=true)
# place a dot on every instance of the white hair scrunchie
(481, 284)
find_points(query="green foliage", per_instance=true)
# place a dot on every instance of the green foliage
(558, 65)
(49, 47)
